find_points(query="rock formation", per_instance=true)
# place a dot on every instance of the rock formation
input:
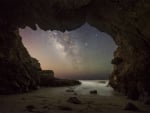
(18, 70)
(127, 21)
(46, 76)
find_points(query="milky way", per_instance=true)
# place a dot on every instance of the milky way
(84, 53)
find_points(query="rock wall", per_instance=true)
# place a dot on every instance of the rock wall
(127, 21)
(18, 70)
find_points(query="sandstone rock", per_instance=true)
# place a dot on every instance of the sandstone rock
(74, 100)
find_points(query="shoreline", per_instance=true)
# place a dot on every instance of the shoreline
(55, 100)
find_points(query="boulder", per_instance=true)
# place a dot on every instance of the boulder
(74, 100)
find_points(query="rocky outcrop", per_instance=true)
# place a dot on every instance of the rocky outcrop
(127, 21)
(59, 82)
(18, 70)
(46, 76)
(74, 100)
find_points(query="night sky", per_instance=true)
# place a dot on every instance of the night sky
(84, 53)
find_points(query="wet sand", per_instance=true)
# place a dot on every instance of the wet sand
(54, 100)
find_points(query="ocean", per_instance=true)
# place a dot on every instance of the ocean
(101, 86)
(84, 89)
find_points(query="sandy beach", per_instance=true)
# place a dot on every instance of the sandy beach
(55, 100)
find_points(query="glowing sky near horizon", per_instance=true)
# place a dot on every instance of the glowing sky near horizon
(84, 53)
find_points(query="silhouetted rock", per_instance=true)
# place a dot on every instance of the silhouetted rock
(93, 92)
(60, 82)
(46, 76)
(19, 72)
(47, 79)
(131, 107)
(74, 100)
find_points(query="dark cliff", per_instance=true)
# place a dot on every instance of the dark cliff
(18, 70)
(126, 20)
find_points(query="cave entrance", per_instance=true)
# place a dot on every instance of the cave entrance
(83, 53)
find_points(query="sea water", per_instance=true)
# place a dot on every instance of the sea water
(101, 86)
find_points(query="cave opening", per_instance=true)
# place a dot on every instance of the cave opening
(126, 21)
(82, 53)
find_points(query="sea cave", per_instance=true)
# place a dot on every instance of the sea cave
(126, 21)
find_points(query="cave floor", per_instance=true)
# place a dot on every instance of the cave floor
(42, 101)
